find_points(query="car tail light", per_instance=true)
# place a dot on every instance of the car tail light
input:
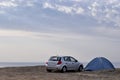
(59, 62)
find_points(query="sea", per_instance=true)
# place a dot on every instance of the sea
(20, 64)
(24, 64)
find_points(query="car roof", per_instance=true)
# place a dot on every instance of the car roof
(60, 56)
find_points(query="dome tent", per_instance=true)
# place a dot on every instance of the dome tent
(99, 63)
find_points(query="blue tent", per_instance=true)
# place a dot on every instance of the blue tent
(99, 63)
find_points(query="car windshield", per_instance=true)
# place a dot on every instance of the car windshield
(55, 58)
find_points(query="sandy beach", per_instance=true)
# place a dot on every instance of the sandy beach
(39, 73)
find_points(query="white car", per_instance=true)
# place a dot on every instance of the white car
(63, 63)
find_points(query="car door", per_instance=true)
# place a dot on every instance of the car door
(74, 63)
(68, 63)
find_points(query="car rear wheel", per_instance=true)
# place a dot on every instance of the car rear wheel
(64, 69)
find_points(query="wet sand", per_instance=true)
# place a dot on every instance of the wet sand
(39, 73)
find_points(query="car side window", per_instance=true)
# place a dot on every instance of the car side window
(72, 59)
(67, 59)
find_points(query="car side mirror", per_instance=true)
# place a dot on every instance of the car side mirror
(76, 60)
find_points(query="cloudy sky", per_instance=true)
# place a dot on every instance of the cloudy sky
(34, 30)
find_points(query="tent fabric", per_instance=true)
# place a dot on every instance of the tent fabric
(99, 63)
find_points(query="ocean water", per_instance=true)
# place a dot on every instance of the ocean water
(116, 64)
(22, 64)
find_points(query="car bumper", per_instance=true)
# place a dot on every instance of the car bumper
(57, 67)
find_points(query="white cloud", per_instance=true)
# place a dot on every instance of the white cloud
(8, 4)
(64, 9)
(101, 10)
(116, 6)
(16, 3)
(105, 11)
(30, 3)
(95, 4)
(111, 1)
(93, 8)
(80, 10)
(77, 0)
(69, 0)
(70, 10)
(47, 5)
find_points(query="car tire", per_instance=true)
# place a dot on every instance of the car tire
(80, 69)
(64, 69)
(48, 70)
